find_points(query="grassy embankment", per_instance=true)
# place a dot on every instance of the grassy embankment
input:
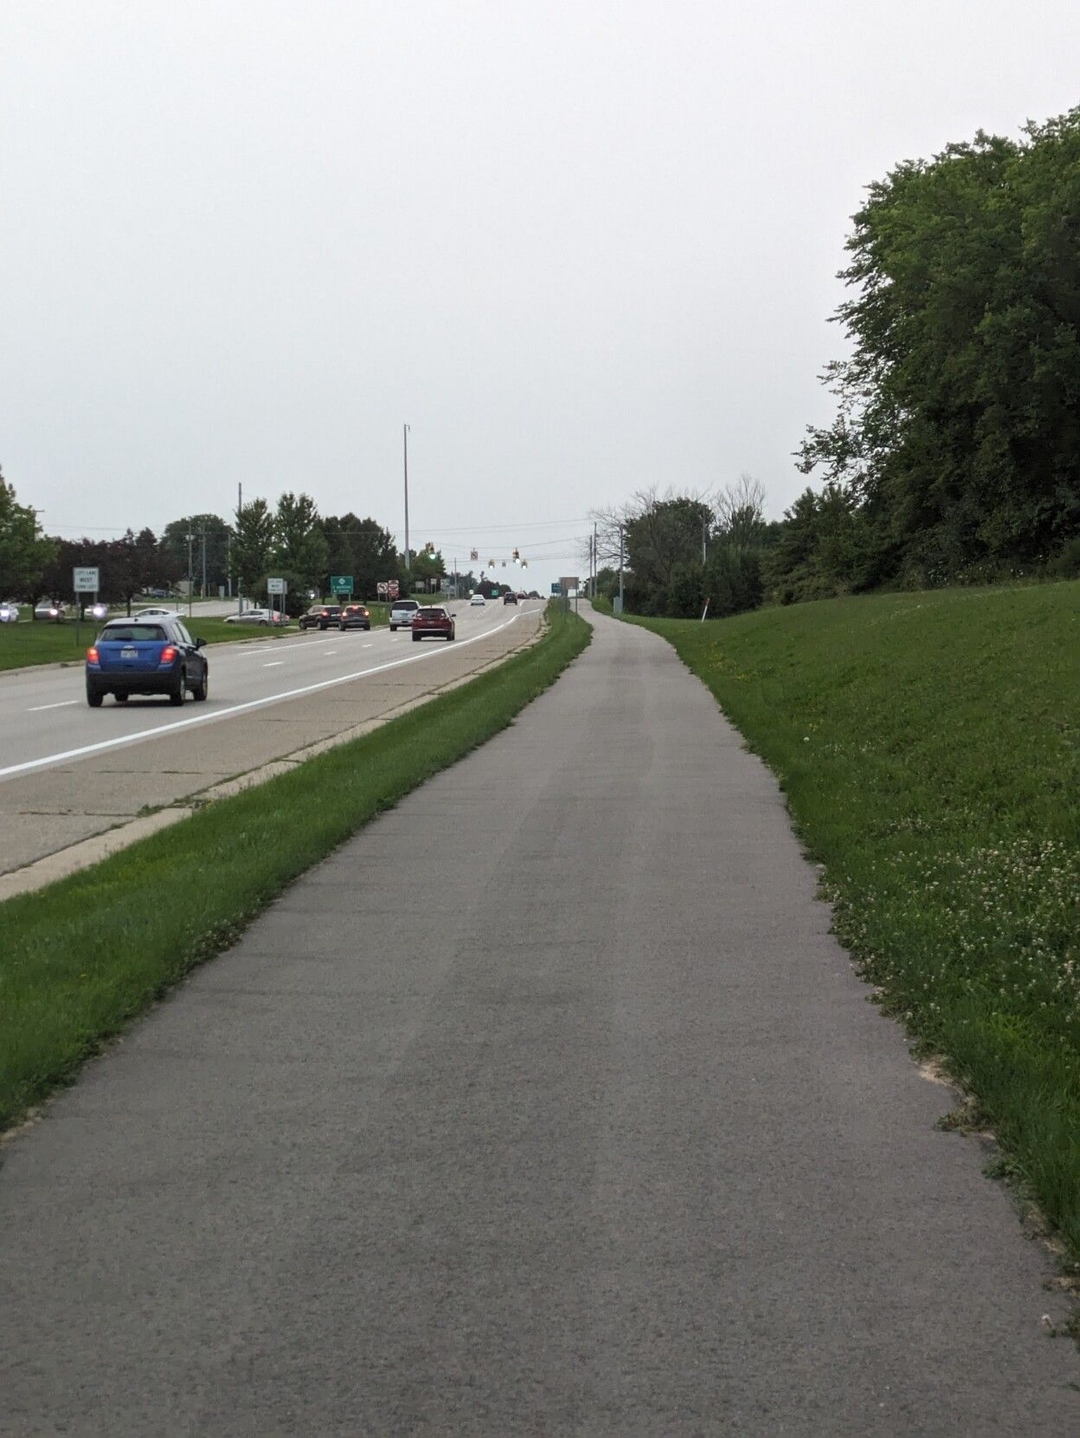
(25, 644)
(929, 747)
(83, 957)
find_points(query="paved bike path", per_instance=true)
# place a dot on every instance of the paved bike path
(546, 1105)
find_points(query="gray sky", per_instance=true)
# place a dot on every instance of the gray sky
(582, 248)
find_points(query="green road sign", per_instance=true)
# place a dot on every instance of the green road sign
(341, 583)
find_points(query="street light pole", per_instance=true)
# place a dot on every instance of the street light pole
(405, 437)
(190, 576)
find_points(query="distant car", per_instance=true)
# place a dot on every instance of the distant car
(509, 597)
(534, 594)
(320, 616)
(265, 617)
(50, 610)
(146, 656)
(477, 599)
(99, 611)
(157, 593)
(401, 613)
(432, 622)
(354, 616)
(9, 612)
(155, 611)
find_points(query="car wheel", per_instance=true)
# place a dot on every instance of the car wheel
(202, 690)
(264, 623)
(94, 697)
(121, 698)
(416, 639)
(178, 693)
(393, 629)
(450, 636)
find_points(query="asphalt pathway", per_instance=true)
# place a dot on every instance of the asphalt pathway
(547, 1105)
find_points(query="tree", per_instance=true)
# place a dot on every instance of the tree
(25, 553)
(362, 548)
(253, 544)
(179, 550)
(299, 542)
(958, 414)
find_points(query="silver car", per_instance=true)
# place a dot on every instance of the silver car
(401, 613)
(9, 612)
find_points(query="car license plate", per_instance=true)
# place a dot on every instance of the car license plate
(129, 652)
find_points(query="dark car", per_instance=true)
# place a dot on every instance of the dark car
(509, 597)
(51, 610)
(320, 616)
(146, 656)
(354, 616)
(432, 622)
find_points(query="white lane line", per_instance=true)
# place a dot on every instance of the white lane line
(367, 646)
(330, 654)
(274, 664)
(62, 705)
(427, 652)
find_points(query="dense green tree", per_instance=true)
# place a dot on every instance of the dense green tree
(362, 548)
(300, 546)
(252, 545)
(25, 553)
(958, 419)
(209, 534)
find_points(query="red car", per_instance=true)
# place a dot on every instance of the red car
(432, 621)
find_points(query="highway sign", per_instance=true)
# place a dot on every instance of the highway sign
(276, 586)
(556, 587)
(341, 583)
(87, 581)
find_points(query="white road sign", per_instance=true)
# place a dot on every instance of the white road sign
(87, 581)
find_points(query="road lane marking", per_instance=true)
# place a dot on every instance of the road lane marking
(274, 664)
(207, 716)
(62, 705)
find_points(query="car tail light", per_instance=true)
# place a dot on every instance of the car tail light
(168, 654)
(92, 655)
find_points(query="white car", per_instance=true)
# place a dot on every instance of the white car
(154, 611)
(265, 617)
(477, 599)
(401, 613)
(9, 612)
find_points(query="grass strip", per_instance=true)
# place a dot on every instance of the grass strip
(83, 957)
(929, 748)
(24, 645)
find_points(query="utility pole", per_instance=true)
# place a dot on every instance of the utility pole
(704, 534)
(405, 437)
(204, 562)
(620, 566)
(190, 575)
(239, 513)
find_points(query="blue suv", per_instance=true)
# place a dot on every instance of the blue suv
(146, 656)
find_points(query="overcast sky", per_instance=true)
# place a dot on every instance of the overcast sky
(581, 248)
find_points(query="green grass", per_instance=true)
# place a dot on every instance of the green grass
(929, 747)
(86, 955)
(26, 644)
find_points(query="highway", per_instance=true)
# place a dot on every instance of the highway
(68, 772)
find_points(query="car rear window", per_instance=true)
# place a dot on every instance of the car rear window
(130, 633)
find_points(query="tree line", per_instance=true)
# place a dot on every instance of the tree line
(954, 455)
(290, 541)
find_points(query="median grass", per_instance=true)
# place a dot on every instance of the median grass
(929, 747)
(83, 957)
(26, 644)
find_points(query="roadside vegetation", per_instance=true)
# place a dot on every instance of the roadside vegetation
(83, 957)
(929, 748)
(25, 644)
